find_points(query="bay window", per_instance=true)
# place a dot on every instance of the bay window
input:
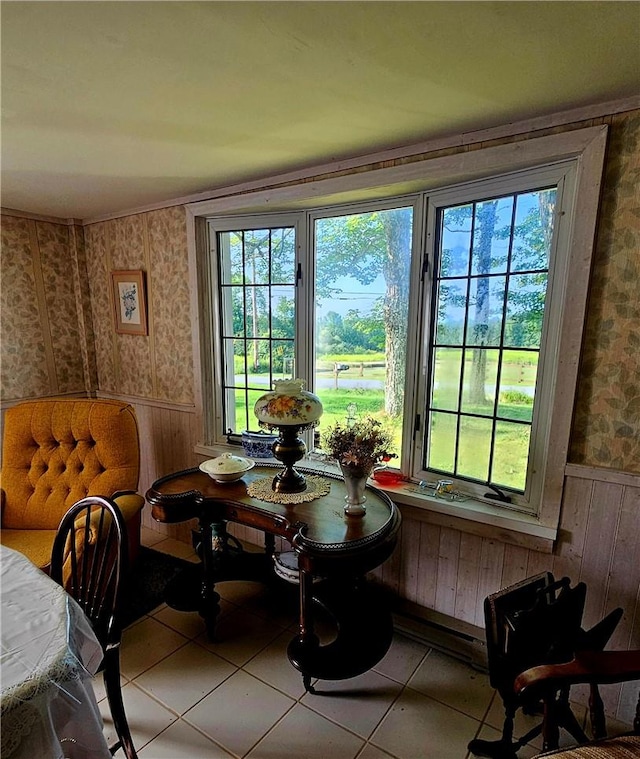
(453, 314)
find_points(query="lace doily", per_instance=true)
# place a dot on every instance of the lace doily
(316, 488)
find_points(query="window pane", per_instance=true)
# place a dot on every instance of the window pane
(480, 376)
(486, 304)
(456, 241)
(474, 447)
(518, 385)
(511, 455)
(491, 233)
(282, 311)
(525, 309)
(362, 302)
(447, 366)
(442, 442)
(452, 303)
(257, 251)
(258, 312)
(230, 256)
(533, 231)
(233, 317)
(490, 301)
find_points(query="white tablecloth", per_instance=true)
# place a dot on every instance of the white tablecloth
(48, 658)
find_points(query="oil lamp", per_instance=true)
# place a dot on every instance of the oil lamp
(289, 409)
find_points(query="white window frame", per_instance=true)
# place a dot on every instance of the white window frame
(561, 175)
(585, 148)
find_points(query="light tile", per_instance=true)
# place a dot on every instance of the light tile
(97, 681)
(177, 548)
(181, 741)
(403, 657)
(239, 592)
(303, 733)
(145, 644)
(490, 734)
(357, 704)
(453, 683)
(525, 722)
(147, 718)
(185, 677)
(188, 623)
(272, 666)
(150, 538)
(277, 605)
(372, 752)
(418, 727)
(240, 636)
(239, 712)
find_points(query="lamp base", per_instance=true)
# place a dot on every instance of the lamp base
(288, 449)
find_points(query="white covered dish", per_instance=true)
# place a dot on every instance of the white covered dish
(227, 467)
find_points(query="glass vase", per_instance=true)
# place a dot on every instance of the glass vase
(355, 481)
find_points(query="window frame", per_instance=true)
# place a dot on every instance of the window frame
(585, 146)
(561, 175)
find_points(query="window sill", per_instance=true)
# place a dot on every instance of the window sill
(471, 516)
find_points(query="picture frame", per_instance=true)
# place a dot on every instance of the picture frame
(130, 302)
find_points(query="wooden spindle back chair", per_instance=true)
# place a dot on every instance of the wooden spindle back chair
(90, 559)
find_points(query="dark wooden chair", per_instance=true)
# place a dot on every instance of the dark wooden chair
(89, 559)
(536, 621)
(594, 668)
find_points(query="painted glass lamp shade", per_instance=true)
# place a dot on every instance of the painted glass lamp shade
(288, 408)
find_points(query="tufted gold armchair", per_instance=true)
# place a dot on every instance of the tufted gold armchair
(57, 451)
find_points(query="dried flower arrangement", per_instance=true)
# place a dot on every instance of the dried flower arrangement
(361, 445)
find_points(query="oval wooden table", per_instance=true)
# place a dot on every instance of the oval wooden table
(327, 544)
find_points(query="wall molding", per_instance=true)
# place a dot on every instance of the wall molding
(187, 408)
(39, 217)
(602, 474)
(458, 140)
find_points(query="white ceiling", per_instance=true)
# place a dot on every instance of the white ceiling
(108, 106)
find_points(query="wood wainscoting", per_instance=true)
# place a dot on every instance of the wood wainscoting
(442, 575)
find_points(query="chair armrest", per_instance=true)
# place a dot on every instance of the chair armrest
(593, 667)
(129, 503)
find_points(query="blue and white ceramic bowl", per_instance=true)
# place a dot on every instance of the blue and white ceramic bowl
(258, 445)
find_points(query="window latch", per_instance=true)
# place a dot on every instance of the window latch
(299, 274)
(497, 495)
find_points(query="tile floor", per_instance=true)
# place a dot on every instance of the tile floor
(187, 698)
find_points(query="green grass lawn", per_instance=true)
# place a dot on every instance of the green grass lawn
(473, 437)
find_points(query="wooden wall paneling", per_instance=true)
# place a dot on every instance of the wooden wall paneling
(392, 567)
(428, 564)
(448, 556)
(409, 559)
(604, 515)
(568, 553)
(514, 565)
(538, 562)
(466, 597)
(490, 575)
(630, 691)
(624, 580)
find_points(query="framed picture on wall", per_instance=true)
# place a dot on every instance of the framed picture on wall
(130, 302)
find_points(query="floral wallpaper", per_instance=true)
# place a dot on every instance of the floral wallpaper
(170, 303)
(24, 371)
(606, 428)
(62, 305)
(159, 366)
(96, 242)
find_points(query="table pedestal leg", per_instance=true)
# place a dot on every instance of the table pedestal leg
(364, 630)
(211, 542)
